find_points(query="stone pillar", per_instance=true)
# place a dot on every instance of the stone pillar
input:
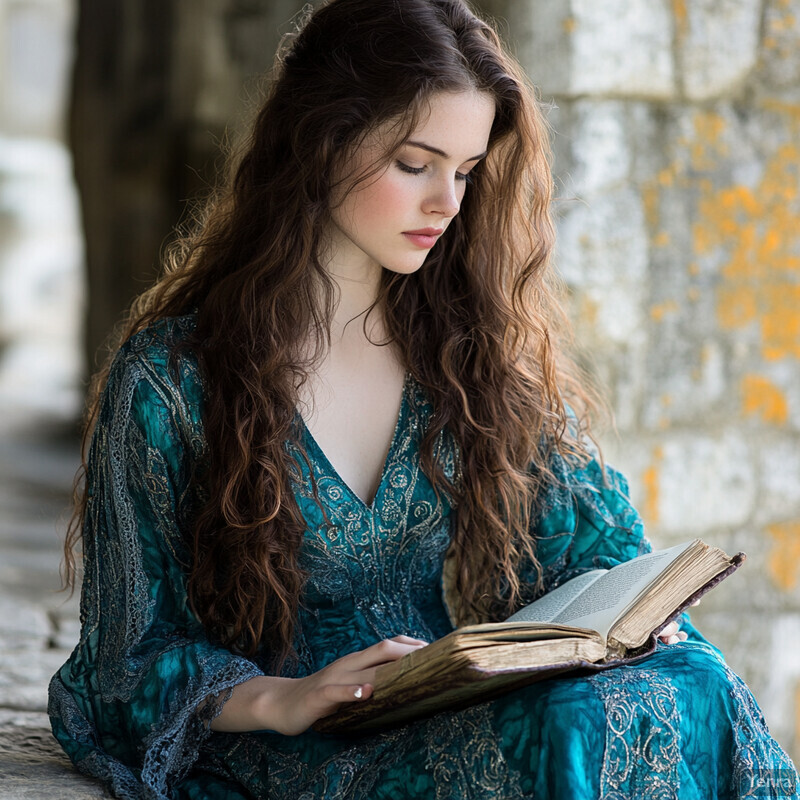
(677, 160)
(158, 86)
(40, 247)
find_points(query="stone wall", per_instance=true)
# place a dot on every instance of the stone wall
(677, 158)
(41, 278)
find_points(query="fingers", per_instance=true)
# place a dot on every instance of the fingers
(669, 630)
(411, 639)
(382, 652)
(671, 634)
(349, 679)
(347, 693)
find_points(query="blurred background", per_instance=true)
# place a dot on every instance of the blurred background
(676, 133)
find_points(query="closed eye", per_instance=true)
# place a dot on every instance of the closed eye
(411, 170)
(460, 176)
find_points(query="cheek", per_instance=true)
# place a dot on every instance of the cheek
(388, 200)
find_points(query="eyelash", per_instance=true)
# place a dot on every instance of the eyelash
(466, 177)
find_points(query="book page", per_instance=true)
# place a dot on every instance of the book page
(547, 608)
(607, 598)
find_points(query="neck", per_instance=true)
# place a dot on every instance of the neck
(357, 279)
(354, 297)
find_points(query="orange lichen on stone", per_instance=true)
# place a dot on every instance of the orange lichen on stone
(667, 176)
(762, 398)
(783, 562)
(736, 306)
(569, 24)
(659, 311)
(780, 179)
(780, 323)
(587, 311)
(782, 23)
(706, 353)
(753, 232)
(652, 493)
(757, 229)
(707, 144)
(681, 13)
(650, 201)
(704, 238)
(781, 107)
(651, 195)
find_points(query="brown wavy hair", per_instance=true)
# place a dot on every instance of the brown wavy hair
(475, 325)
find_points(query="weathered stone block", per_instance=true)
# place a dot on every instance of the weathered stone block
(718, 45)
(780, 49)
(703, 482)
(25, 675)
(781, 698)
(600, 150)
(36, 47)
(577, 47)
(541, 31)
(23, 625)
(602, 240)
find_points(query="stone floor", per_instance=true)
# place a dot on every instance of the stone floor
(38, 623)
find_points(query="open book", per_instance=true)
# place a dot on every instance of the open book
(598, 620)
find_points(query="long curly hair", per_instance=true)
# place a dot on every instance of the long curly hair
(477, 325)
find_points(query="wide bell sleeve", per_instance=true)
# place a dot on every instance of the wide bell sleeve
(585, 520)
(133, 703)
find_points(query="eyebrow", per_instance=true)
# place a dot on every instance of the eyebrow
(438, 152)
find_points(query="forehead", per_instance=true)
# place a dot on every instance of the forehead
(455, 123)
(458, 123)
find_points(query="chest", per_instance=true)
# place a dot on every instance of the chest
(374, 570)
(352, 412)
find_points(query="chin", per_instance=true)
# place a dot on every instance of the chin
(407, 268)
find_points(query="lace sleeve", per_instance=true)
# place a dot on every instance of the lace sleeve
(133, 703)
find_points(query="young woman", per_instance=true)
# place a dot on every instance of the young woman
(349, 372)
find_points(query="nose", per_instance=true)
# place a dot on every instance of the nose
(444, 198)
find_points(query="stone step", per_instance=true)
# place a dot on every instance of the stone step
(33, 766)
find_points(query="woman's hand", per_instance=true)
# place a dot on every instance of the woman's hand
(345, 680)
(671, 634)
(292, 705)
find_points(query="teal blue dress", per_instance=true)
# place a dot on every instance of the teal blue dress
(131, 707)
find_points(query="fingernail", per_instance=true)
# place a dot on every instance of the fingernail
(358, 693)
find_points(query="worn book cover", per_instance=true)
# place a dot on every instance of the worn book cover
(597, 620)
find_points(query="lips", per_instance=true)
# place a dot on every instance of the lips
(424, 238)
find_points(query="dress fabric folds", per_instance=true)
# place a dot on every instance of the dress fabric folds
(133, 703)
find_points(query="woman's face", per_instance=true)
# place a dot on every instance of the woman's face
(394, 218)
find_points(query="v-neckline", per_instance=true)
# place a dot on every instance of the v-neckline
(328, 464)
